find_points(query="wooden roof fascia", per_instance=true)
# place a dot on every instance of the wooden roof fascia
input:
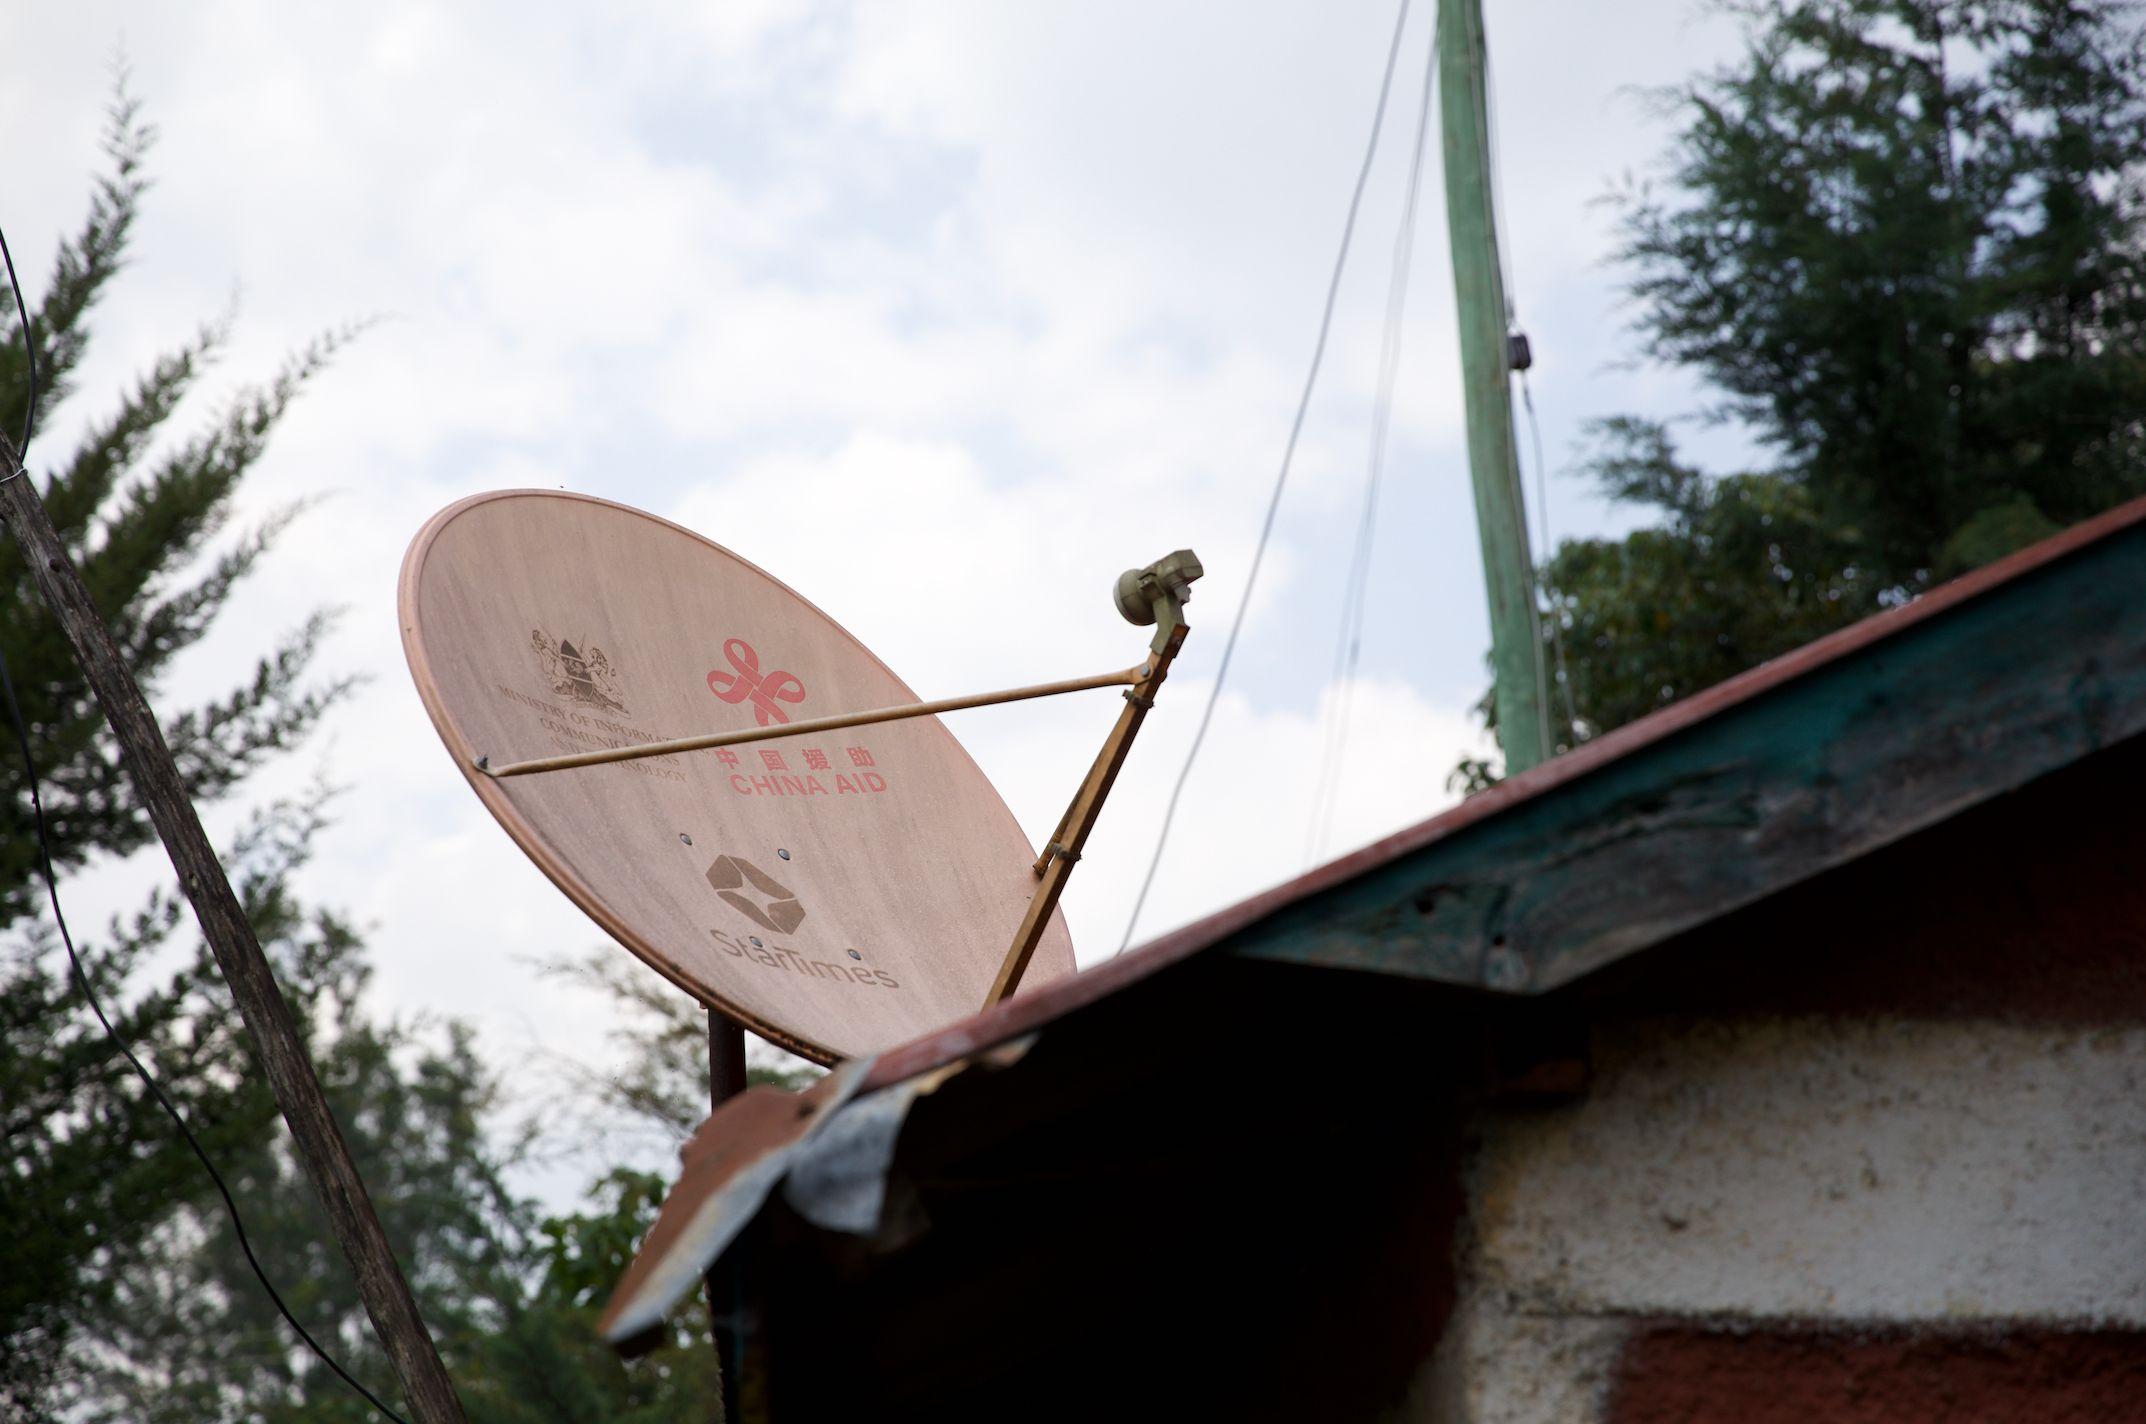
(1847, 745)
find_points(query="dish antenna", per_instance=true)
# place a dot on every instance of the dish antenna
(730, 784)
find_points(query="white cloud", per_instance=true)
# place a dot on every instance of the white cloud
(943, 312)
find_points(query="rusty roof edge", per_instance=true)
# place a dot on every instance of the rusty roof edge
(1025, 1013)
(830, 1164)
(694, 1228)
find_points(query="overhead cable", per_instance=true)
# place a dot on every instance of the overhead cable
(1281, 478)
(1509, 283)
(1348, 641)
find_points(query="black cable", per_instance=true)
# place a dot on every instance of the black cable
(1281, 479)
(29, 354)
(1557, 621)
(52, 891)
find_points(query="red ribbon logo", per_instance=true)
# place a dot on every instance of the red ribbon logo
(748, 682)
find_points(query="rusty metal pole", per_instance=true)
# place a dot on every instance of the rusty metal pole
(726, 1295)
(726, 1060)
(282, 1056)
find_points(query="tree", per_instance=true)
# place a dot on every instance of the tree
(656, 1091)
(1902, 241)
(90, 1166)
(512, 1298)
(124, 1293)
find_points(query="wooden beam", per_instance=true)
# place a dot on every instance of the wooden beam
(321, 1149)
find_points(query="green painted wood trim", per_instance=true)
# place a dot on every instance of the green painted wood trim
(1899, 734)
(1486, 384)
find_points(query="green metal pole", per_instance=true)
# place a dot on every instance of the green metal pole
(1486, 375)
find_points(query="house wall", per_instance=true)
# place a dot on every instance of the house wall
(1802, 1179)
(1873, 1151)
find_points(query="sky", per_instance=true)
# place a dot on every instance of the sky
(943, 313)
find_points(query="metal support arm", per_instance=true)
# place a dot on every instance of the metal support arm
(1156, 594)
(793, 729)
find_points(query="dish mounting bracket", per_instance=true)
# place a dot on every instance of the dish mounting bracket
(1156, 594)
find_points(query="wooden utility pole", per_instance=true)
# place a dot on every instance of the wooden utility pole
(1486, 376)
(230, 935)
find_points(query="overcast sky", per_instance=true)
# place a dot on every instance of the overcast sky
(943, 313)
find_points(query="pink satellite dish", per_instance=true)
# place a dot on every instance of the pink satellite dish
(837, 892)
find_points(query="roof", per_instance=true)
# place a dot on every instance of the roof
(1802, 764)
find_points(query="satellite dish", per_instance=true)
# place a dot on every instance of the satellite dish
(837, 892)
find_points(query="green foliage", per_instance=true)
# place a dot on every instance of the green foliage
(1741, 569)
(90, 1166)
(512, 1301)
(140, 518)
(657, 1093)
(92, 1163)
(1902, 240)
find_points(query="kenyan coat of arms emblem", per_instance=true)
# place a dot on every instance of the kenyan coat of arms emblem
(583, 674)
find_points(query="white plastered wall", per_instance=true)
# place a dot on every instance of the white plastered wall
(1796, 1170)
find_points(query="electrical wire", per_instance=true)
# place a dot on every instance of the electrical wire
(1281, 478)
(74, 959)
(1557, 622)
(1348, 641)
(29, 356)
